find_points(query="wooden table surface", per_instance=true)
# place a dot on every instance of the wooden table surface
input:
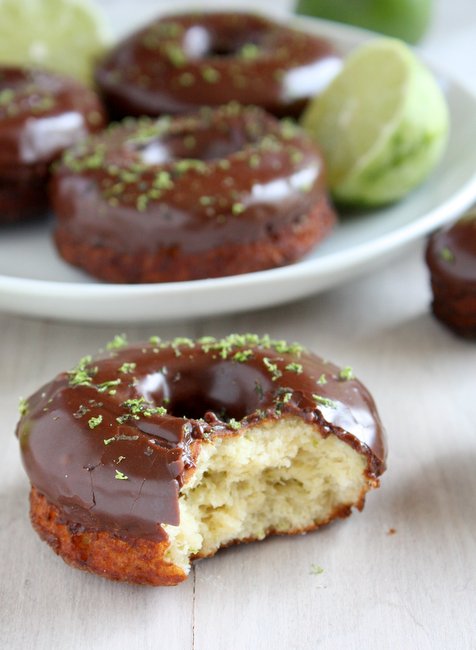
(401, 574)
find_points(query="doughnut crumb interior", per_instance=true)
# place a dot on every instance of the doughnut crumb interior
(150, 456)
(278, 477)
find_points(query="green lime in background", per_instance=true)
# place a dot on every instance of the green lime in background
(405, 19)
(382, 124)
(61, 35)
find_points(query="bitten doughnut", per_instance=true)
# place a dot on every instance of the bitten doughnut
(222, 192)
(451, 259)
(181, 62)
(41, 114)
(150, 456)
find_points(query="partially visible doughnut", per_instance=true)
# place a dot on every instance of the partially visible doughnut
(222, 192)
(182, 62)
(451, 259)
(149, 456)
(41, 114)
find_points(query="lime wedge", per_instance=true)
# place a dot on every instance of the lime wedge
(382, 124)
(60, 35)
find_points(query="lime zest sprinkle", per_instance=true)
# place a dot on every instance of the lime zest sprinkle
(176, 55)
(346, 374)
(122, 419)
(234, 424)
(211, 75)
(94, 422)
(119, 341)
(163, 181)
(23, 406)
(81, 375)
(224, 346)
(140, 406)
(316, 569)
(237, 208)
(249, 52)
(107, 441)
(242, 355)
(294, 367)
(120, 476)
(447, 255)
(107, 385)
(273, 368)
(127, 367)
(324, 401)
(6, 96)
(289, 129)
(322, 380)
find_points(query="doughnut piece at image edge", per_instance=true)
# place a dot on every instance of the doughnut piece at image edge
(150, 456)
(451, 259)
(221, 192)
(41, 114)
(179, 63)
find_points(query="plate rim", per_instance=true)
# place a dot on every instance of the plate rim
(304, 269)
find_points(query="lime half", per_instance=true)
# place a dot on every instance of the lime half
(382, 124)
(60, 35)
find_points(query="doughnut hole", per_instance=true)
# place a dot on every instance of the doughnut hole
(224, 389)
(201, 42)
(276, 477)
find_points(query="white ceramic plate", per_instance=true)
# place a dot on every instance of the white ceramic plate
(34, 281)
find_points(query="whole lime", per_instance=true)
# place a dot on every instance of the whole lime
(405, 19)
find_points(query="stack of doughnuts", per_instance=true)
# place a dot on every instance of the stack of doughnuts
(199, 179)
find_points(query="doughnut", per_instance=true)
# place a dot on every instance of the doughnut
(224, 191)
(451, 259)
(181, 62)
(41, 114)
(150, 456)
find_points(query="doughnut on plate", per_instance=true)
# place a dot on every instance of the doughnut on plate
(34, 281)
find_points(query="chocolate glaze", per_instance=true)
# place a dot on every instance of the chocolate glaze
(189, 184)
(451, 258)
(41, 114)
(181, 62)
(116, 465)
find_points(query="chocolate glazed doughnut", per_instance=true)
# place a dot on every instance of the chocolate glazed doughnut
(451, 259)
(185, 61)
(150, 456)
(41, 114)
(223, 192)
